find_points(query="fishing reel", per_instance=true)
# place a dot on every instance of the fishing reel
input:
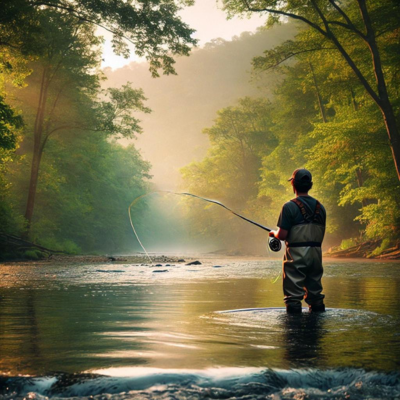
(274, 244)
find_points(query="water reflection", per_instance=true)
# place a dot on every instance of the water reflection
(73, 325)
(303, 336)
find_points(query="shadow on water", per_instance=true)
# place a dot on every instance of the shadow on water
(303, 336)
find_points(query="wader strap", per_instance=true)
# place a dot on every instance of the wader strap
(307, 217)
(304, 244)
(303, 211)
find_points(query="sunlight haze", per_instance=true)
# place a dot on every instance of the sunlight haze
(206, 17)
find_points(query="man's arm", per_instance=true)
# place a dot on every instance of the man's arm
(280, 234)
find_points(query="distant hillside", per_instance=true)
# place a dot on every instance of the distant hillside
(213, 77)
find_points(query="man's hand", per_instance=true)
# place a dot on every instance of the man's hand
(280, 234)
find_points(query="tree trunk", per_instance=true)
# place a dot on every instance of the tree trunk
(37, 151)
(384, 101)
(36, 158)
(320, 103)
(393, 133)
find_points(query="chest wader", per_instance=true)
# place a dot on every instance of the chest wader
(302, 262)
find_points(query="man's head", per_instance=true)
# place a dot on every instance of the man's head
(301, 180)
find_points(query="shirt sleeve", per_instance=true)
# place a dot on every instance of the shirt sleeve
(285, 220)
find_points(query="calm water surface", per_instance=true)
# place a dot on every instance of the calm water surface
(125, 331)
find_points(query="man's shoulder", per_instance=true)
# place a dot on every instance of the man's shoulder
(290, 205)
(310, 202)
(321, 205)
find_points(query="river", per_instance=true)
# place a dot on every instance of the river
(123, 331)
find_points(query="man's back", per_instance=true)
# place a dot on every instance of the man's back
(291, 213)
(302, 225)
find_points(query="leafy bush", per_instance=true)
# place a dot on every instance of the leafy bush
(32, 255)
(347, 243)
(380, 249)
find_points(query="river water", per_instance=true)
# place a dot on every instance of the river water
(216, 330)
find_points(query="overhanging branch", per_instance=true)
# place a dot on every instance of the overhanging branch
(289, 56)
(286, 14)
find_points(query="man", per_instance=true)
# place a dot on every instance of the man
(302, 225)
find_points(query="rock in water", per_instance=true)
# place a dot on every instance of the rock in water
(194, 263)
(160, 270)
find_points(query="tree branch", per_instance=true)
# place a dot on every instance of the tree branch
(348, 27)
(72, 11)
(287, 14)
(295, 54)
(350, 24)
(347, 57)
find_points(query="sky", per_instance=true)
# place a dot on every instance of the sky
(205, 17)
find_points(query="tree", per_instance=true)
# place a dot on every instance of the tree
(338, 24)
(86, 183)
(239, 138)
(10, 122)
(67, 87)
(152, 26)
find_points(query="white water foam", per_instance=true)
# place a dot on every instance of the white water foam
(215, 383)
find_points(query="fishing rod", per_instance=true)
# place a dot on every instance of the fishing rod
(273, 243)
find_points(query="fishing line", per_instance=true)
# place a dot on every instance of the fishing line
(133, 228)
(273, 280)
(274, 244)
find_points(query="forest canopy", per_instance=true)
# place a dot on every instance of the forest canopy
(326, 115)
(65, 180)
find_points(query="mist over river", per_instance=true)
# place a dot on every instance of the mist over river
(120, 331)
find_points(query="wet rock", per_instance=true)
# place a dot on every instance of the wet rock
(160, 270)
(158, 265)
(181, 260)
(194, 263)
(112, 258)
(217, 266)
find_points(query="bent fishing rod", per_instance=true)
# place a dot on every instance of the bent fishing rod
(273, 243)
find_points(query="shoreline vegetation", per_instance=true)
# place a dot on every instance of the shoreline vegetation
(14, 249)
(373, 249)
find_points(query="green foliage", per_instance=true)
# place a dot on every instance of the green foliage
(322, 118)
(347, 243)
(380, 249)
(115, 115)
(86, 179)
(240, 136)
(34, 254)
(153, 26)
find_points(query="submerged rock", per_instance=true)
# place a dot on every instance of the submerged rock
(217, 266)
(181, 260)
(194, 263)
(160, 270)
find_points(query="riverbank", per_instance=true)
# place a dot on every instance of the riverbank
(366, 249)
